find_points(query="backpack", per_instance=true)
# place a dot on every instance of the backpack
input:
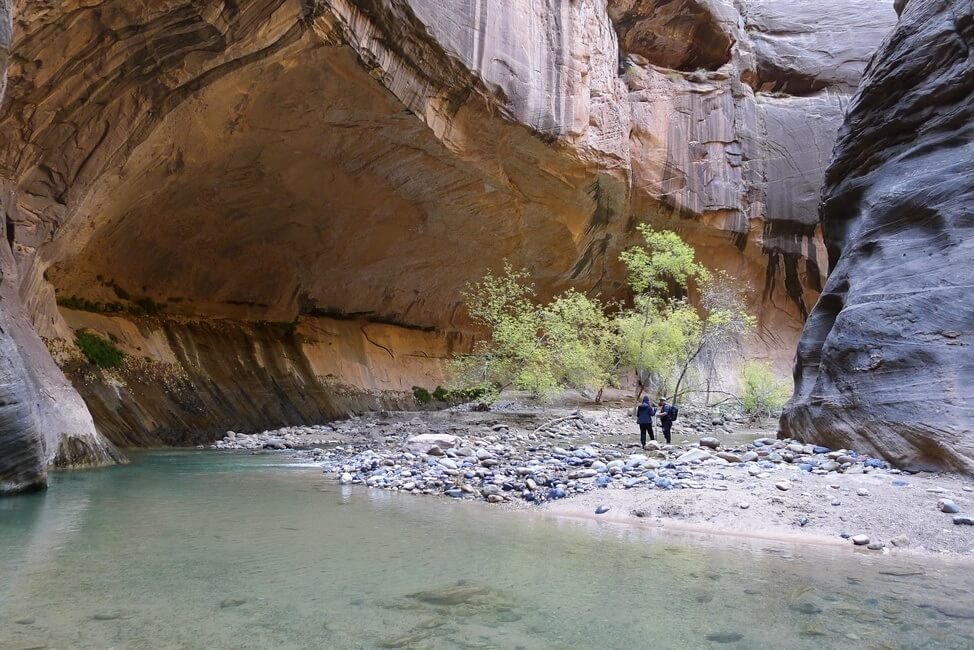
(674, 413)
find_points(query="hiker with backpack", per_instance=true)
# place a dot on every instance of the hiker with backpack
(667, 415)
(644, 418)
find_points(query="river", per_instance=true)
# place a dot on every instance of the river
(203, 549)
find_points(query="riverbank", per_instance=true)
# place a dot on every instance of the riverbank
(721, 475)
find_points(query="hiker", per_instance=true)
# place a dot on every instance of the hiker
(667, 414)
(644, 418)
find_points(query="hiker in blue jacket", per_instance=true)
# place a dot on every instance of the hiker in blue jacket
(644, 418)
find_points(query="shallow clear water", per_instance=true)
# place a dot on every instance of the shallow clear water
(215, 550)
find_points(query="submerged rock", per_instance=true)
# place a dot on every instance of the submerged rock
(725, 637)
(228, 603)
(450, 596)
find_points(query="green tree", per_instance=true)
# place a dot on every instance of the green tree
(662, 336)
(571, 342)
(581, 342)
(541, 348)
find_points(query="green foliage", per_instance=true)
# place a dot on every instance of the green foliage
(499, 298)
(148, 306)
(142, 306)
(572, 342)
(98, 350)
(441, 394)
(540, 348)
(663, 260)
(422, 395)
(662, 336)
(764, 393)
(580, 341)
(83, 304)
(656, 344)
(460, 395)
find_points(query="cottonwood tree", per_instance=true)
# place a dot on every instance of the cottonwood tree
(663, 335)
(573, 342)
(541, 348)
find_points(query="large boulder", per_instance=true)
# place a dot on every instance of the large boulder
(886, 361)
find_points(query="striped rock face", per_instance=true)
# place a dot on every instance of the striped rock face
(886, 362)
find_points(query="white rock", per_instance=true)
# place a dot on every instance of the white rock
(425, 441)
(691, 456)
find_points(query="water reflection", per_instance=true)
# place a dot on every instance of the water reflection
(224, 550)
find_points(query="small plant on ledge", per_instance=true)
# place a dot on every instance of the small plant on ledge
(99, 351)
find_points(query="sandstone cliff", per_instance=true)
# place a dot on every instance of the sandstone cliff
(885, 361)
(287, 161)
(42, 419)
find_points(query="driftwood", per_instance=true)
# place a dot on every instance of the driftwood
(573, 416)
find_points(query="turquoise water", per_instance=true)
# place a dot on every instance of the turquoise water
(219, 550)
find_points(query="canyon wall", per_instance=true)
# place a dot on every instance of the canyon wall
(216, 173)
(43, 420)
(886, 361)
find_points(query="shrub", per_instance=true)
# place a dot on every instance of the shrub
(441, 394)
(422, 395)
(99, 351)
(764, 393)
(537, 347)
(148, 306)
(78, 303)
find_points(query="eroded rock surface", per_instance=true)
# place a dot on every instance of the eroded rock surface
(886, 361)
(290, 161)
(42, 419)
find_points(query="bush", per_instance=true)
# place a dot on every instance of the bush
(98, 350)
(422, 395)
(764, 394)
(78, 303)
(148, 306)
(441, 394)
(538, 347)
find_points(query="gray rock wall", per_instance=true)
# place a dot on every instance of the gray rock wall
(22, 464)
(886, 362)
(43, 420)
